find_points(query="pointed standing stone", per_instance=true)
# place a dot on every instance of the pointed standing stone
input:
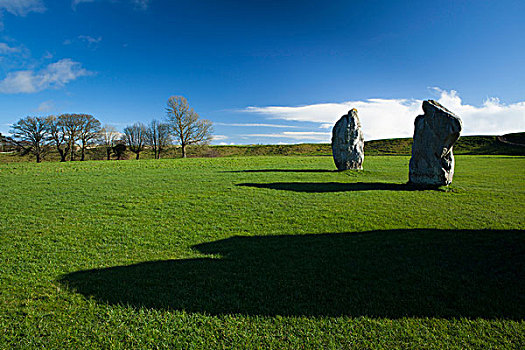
(348, 142)
(435, 132)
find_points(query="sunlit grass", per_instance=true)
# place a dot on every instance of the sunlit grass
(254, 252)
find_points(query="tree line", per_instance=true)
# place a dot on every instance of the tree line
(68, 133)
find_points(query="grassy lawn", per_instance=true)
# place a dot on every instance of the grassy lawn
(261, 252)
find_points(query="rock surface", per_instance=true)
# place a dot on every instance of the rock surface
(348, 142)
(435, 132)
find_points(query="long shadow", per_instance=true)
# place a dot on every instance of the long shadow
(316, 187)
(395, 273)
(283, 171)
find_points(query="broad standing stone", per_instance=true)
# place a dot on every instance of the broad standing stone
(435, 132)
(348, 142)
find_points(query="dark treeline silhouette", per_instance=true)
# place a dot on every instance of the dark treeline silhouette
(71, 134)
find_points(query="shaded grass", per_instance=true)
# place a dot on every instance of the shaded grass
(173, 253)
(390, 273)
(316, 187)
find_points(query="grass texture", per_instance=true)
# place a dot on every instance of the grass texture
(261, 252)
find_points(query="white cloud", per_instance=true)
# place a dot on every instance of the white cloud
(492, 118)
(6, 49)
(55, 75)
(258, 125)
(388, 118)
(297, 135)
(22, 7)
(219, 137)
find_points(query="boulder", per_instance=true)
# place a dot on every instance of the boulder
(348, 142)
(435, 132)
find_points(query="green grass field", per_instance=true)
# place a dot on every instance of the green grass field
(261, 252)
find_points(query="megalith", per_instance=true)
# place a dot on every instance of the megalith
(435, 132)
(348, 142)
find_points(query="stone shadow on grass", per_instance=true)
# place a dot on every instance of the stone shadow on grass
(284, 171)
(393, 273)
(315, 187)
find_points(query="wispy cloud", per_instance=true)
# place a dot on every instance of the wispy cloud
(6, 49)
(258, 125)
(141, 4)
(14, 56)
(55, 75)
(22, 7)
(219, 137)
(138, 4)
(89, 39)
(76, 2)
(387, 118)
(296, 135)
(84, 40)
(45, 106)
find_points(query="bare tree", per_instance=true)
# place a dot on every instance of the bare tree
(58, 136)
(185, 124)
(108, 137)
(135, 136)
(72, 126)
(89, 129)
(31, 135)
(158, 137)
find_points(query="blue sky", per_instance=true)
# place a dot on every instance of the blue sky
(266, 71)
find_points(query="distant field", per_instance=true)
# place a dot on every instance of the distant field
(261, 252)
(511, 144)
